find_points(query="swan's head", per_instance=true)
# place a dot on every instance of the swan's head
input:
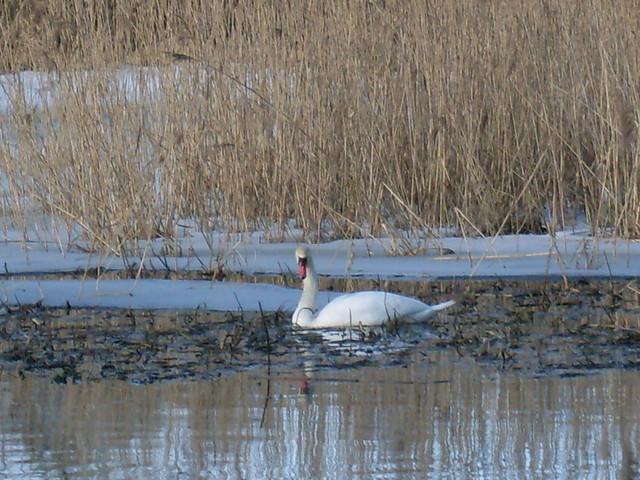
(302, 257)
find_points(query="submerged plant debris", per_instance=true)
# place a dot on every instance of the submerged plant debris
(539, 328)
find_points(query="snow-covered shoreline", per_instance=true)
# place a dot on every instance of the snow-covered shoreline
(572, 255)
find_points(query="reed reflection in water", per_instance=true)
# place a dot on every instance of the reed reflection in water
(443, 418)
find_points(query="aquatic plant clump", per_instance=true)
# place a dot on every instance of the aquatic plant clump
(351, 119)
(527, 328)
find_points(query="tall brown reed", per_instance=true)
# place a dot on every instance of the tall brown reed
(351, 118)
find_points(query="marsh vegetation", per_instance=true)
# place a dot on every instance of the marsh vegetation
(341, 119)
(533, 328)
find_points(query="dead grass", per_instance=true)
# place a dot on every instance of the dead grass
(351, 118)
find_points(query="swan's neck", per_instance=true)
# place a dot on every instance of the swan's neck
(303, 315)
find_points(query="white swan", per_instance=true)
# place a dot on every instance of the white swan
(354, 309)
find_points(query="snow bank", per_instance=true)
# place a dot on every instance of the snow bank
(570, 254)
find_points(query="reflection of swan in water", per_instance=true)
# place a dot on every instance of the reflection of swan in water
(304, 385)
(362, 308)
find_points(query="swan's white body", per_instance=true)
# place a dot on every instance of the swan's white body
(354, 309)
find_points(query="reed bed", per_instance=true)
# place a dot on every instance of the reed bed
(342, 119)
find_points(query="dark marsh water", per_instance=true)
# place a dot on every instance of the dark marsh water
(516, 381)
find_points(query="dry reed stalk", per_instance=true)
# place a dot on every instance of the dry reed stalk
(249, 114)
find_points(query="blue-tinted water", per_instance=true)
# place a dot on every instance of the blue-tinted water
(440, 418)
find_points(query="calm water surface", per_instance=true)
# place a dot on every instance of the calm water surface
(440, 418)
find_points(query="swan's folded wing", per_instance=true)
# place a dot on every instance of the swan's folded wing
(374, 308)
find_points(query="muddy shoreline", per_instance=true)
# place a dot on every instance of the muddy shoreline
(532, 328)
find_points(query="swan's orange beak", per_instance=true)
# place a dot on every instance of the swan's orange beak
(302, 268)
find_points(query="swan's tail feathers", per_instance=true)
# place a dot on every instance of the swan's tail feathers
(432, 311)
(442, 306)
